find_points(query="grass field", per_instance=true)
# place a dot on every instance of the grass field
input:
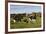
(32, 24)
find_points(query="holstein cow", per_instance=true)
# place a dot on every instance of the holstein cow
(18, 17)
(32, 18)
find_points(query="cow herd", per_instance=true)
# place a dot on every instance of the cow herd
(18, 17)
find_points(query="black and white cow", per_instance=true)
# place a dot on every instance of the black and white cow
(18, 17)
(32, 18)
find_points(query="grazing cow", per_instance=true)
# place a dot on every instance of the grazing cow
(32, 18)
(18, 17)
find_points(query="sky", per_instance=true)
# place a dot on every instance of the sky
(24, 9)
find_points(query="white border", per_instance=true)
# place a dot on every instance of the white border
(25, 29)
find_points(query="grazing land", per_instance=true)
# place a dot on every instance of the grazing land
(22, 24)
